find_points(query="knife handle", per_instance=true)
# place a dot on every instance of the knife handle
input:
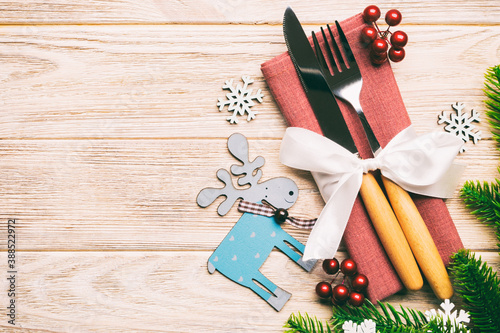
(420, 240)
(390, 233)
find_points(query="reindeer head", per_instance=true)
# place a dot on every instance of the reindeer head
(279, 192)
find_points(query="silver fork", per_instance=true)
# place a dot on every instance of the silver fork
(346, 82)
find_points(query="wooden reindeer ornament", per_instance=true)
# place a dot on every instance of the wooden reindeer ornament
(247, 246)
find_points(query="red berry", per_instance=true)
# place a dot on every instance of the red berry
(340, 293)
(399, 39)
(368, 34)
(371, 13)
(331, 266)
(356, 299)
(378, 62)
(337, 302)
(393, 17)
(396, 55)
(380, 46)
(378, 59)
(349, 267)
(360, 282)
(324, 289)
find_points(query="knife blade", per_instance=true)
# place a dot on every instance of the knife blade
(318, 93)
(333, 126)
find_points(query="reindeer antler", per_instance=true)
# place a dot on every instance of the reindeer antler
(208, 195)
(238, 147)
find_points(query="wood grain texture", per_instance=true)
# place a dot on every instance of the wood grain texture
(419, 238)
(164, 292)
(140, 194)
(164, 81)
(109, 129)
(389, 233)
(236, 11)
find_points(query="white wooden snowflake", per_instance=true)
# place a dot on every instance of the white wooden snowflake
(367, 326)
(239, 99)
(453, 317)
(460, 124)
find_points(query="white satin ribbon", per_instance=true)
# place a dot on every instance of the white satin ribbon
(419, 164)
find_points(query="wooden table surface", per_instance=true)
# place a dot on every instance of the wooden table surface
(109, 129)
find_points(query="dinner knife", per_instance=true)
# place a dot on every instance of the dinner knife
(333, 126)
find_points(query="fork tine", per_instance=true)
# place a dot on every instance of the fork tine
(345, 44)
(319, 53)
(330, 54)
(336, 49)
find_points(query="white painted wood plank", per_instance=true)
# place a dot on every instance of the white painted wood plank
(163, 292)
(140, 194)
(164, 81)
(237, 11)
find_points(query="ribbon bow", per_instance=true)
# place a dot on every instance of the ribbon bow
(268, 210)
(419, 164)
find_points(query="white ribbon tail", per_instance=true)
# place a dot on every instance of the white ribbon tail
(338, 175)
(327, 233)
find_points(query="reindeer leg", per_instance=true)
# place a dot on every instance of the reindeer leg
(285, 248)
(277, 299)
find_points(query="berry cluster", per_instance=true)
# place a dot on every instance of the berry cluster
(350, 291)
(379, 39)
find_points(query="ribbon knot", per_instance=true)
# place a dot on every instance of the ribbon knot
(419, 164)
(370, 164)
(268, 210)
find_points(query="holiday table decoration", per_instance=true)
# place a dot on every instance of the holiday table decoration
(388, 319)
(245, 248)
(484, 199)
(492, 92)
(478, 286)
(451, 317)
(378, 40)
(476, 283)
(350, 289)
(385, 111)
(367, 326)
(239, 99)
(461, 125)
(280, 215)
(399, 226)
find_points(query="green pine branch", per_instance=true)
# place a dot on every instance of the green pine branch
(438, 325)
(479, 288)
(387, 320)
(391, 320)
(484, 200)
(492, 92)
(305, 324)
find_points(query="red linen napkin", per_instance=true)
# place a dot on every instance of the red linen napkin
(387, 115)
